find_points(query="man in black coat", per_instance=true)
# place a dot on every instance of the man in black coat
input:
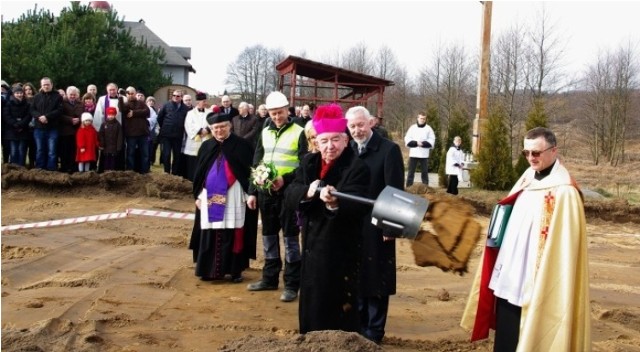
(222, 247)
(331, 239)
(46, 111)
(171, 121)
(378, 269)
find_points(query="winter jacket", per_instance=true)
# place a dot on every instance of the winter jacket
(136, 125)
(48, 104)
(111, 136)
(15, 120)
(86, 143)
(69, 111)
(171, 120)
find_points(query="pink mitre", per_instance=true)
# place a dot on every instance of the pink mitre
(329, 119)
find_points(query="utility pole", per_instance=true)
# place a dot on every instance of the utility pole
(482, 101)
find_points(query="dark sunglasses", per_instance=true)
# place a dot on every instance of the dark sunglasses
(177, 96)
(534, 153)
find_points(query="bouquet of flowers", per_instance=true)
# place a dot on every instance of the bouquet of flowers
(263, 175)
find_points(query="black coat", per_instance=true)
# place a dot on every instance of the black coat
(15, 120)
(48, 104)
(378, 274)
(239, 154)
(330, 243)
(171, 120)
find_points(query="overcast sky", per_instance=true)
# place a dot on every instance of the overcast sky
(218, 31)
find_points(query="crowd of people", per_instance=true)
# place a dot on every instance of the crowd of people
(533, 289)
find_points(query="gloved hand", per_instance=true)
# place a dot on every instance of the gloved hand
(412, 144)
(426, 144)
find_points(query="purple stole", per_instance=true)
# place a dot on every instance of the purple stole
(216, 186)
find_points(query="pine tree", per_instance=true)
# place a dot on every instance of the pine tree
(79, 47)
(494, 171)
(537, 118)
(459, 125)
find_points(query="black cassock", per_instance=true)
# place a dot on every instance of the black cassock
(331, 243)
(212, 249)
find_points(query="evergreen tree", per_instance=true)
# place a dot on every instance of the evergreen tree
(495, 170)
(460, 125)
(80, 47)
(537, 118)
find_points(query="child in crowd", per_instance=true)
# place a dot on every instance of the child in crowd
(111, 139)
(86, 143)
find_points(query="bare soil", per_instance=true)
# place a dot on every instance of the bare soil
(128, 284)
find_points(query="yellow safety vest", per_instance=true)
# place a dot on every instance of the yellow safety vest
(281, 147)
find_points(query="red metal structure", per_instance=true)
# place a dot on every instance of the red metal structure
(314, 82)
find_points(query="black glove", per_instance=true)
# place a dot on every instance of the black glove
(426, 144)
(412, 144)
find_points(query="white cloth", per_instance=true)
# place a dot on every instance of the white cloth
(233, 211)
(516, 262)
(99, 115)
(420, 134)
(153, 122)
(454, 156)
(193, 123)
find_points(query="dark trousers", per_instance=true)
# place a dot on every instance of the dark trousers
(109, 161)
(171, 146)
(424, 170)
(18, 152)
(46, 144)
(138, 150)
(373, 316)
(67, 153)
(190, 171)
(507, 326)
(274, 219)
(452, 184)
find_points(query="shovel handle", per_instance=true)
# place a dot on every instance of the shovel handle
(358, 199)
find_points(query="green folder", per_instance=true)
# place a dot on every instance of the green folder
(498, 224)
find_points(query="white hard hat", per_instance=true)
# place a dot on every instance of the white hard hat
(276, 100)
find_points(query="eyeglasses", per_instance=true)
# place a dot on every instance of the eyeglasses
(535, 153)
(177, 96)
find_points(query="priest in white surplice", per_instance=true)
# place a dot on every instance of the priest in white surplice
(534, 289)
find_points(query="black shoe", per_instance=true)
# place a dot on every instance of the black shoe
(237, 279)
(288, 295)
(261, 286)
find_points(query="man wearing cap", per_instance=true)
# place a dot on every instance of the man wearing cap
(378, 269)
(46, 110)
(282, 143)
(196, 128)
(136, 131)
(219, 242)
(331, 234)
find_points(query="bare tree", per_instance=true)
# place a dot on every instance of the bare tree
(385, 63)
(358, 59)
(400, 102)
(507, 79)
(543, 71)
(253, 74)
(449, 81)
(611, 83)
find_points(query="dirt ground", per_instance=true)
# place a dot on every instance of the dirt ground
(128, 284)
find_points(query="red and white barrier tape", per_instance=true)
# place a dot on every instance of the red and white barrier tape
(92, 218)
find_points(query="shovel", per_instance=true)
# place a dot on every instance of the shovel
(396, 212)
